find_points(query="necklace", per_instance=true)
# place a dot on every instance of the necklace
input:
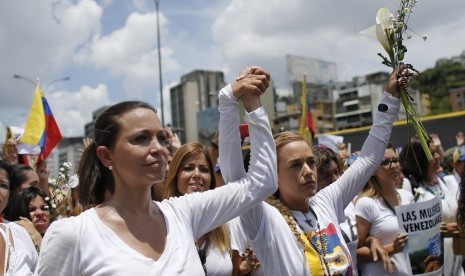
(320, 248)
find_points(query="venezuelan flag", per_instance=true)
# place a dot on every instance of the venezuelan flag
(41, 133)
(306, 119)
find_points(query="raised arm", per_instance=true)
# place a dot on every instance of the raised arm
(351, 182)
(253, 81)
(212, 208)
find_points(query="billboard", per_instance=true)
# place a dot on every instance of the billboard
(317, 71)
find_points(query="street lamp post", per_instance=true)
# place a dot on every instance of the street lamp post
(26, 79)
(55, 81)
(37, 80)
(157, 2)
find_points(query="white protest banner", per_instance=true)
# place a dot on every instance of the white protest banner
(331, 141)
(422, 222)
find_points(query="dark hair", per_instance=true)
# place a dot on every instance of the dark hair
(19, 176)
(414, 163)
(461, 203)
(324, 155)
(19, 203)
(8, 168)
(94, 177)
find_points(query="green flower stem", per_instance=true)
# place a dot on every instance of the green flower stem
(418, 127)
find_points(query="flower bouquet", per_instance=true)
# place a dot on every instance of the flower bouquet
(389, 31)
(60, 188)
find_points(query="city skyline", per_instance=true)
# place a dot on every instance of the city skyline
(108, 48)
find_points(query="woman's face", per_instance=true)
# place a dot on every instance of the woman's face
(297, 173)
(327, 174)
(32, 180)
(4, 189)
(194, 175)
(390, 168)
(40, 214)
(139, 155)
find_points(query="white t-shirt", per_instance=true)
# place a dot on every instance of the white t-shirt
(23, 255)
(385, 227)
(218, 263)
(267, 231)
(448, 195)
(84, 245)
(349, 232)
(239, 241)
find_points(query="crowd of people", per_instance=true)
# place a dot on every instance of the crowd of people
(143, 203)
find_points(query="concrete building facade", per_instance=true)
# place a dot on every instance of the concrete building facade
(196, 92)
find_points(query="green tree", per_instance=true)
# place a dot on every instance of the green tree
(437, 82)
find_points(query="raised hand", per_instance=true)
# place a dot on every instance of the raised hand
(250, 84)
(460, 138)
(173, 140)
(10, 151)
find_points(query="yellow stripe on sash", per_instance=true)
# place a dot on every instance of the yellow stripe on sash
(313, 259)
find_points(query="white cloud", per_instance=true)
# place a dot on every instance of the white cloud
(73, 109)
(41, 40)
(130, 53)
(262, 32)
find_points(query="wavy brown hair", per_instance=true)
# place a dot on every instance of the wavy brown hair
(219, 237)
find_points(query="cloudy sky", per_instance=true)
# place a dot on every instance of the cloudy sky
(109, 48)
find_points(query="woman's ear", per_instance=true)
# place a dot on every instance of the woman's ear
(104, 155)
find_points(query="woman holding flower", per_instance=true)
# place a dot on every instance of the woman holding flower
(129, 233)
(296, 232)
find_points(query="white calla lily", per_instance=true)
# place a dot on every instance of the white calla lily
(379, 31)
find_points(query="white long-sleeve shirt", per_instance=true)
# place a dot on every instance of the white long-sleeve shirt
(84, 245)
(267, 231)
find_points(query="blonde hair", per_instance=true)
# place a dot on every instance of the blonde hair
(372, 188)
(219, 237)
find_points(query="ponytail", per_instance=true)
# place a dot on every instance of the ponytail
(94, 178)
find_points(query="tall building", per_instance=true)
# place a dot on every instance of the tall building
(357, 101)
(320, 78)
(457, 98)
(197, 92)
(89, 127)
(68, 150)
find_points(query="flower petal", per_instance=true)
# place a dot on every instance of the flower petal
(382, 38)
(383, 17)
(371, 31)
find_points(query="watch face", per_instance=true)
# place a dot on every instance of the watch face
(382, 107)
